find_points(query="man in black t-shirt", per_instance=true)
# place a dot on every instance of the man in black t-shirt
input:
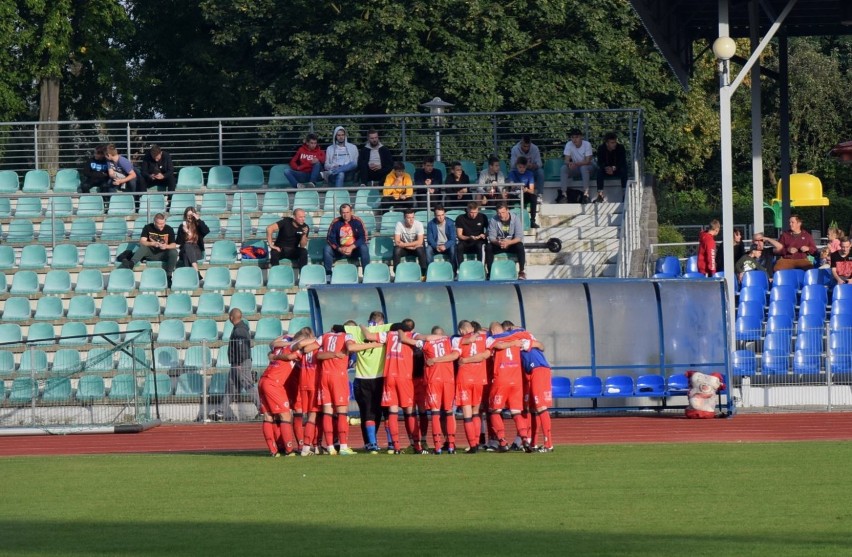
(472, 233)
(841, 262)
(291, 242)
(157, 243)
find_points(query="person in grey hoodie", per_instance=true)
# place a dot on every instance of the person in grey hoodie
(375, 160)
(506, 235)
(340, 157)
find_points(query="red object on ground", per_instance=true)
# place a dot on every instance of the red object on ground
(212, 438)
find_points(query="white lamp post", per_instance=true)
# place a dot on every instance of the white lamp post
(437, 109)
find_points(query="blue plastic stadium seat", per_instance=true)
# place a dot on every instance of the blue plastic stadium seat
(775, 361)
(755, 278)
(668, 265)
(650, 385)
(788, 277)
(677, 384)
(744, 363)
(752, 294)
(840, 351)
(618, 386)
(587, 386)
(561, 387)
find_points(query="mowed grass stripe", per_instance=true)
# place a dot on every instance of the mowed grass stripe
(719, 499)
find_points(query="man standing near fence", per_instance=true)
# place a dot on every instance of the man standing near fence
(240, 377)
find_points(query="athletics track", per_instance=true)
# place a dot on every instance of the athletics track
(566, 431)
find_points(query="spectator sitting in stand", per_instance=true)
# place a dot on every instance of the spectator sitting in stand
(456, 196)
(96, 172)
(398, 191)
(157, 171)
(797, 246)
(347, 237)
(441, 237)
(526, 148)
(341, 157)
(750, 261)
(430, 176)
(612, 163)
(506, 235)
(491, 180)
(121, 173)
(375, 160)
(841, 263)
(520, 175)
(306, 164)
(408, 240)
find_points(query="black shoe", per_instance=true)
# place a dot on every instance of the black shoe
(126, 264)
(533, 225)
(503, 449)
(471, 450)
(585, 199)
(169, 282)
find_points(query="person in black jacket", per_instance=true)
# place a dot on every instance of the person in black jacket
(240, 378)
(96, 172)
(158, 170)
(375, 160)
(612, 163)
(190, 238)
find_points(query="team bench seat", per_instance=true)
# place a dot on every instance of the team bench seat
(619, 386)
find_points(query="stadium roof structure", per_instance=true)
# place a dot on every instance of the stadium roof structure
(675, 25)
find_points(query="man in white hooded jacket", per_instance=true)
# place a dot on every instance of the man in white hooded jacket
(340, 157)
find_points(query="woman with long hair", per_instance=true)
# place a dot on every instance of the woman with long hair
(190, 238)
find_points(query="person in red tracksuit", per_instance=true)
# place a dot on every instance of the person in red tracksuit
(707, 249)
(307, 163)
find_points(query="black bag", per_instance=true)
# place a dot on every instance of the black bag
(126, 255)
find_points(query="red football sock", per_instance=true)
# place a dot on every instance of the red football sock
(411, 428)
(343, 428)
(286, 429)
(298, 428)
(437, 437)
(546, 429)
(471, 432)
(269, 431)
(327, 430)
(495, 420)
(522, 426)
(392, 424)
(451, 429)
(310, 434)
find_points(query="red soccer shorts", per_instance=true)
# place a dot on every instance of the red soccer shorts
(420, 393)
(506, 396)
(273, 396)
(398, 392)
(469, 394)
(540, 393)
(307, 401)
(334, 390)
(440, 395)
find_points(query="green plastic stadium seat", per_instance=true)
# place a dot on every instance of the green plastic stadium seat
(24, 389)
(275, 303)
(90, 387)
(5, 207)
(503, 269)
(121, 281)
(277, 178)
(265, 221)
(65, 256)
(24, 283)
(344, 273)
(36, 181)
(381, 248)
(17, 309)
(315, 249)
(250, 178)
(334, 199)
(190, 178)
(33, 256)
(249, 278)
(3, 284)
(59, 207)
(57, 389)
(367, 200)
(163, 386)
(122, 387)
(153, 279)
(204, 330)
(553, 169)
(57, 281)
(471, 270)
(214, 203)
(171, 331)
(220, 178)
(369, 220)
(376, 273)
(185, 279)
(97, 255)
(306, 199)
(198, 357)
(33, 361)
(166, 358)
(142, 328)
(28, 207)
(215, 226)
(121, 205)
(217, 279)
(39, 334)
(439, 271)
(280, 277)
(178, 304)
(90, 206)
(137, 362)
(7, 363)
(245, 201)
(232, 227)
(114, 229)
(325, 222)
(311, 274)
(189, 384)
(408, 271)
(99, 360)
(89, 281)
(224, 253)
(180, 201)
(11, 332)
(80, 307)
(83, 230)
(146, 305)
(20, 230)
(276, 202)
(50, 231)
(268, 329)
(152, 203)
(210, 304)
(72, 333)
(106, 332)
(389, 221)
(298, 323)
(9, 181)
(113, 306)
(7, 258)
(66, 360)
(222, 362)
(245, 301)
(67, 180)
(173, 220)
(301, 304)
(259, 359)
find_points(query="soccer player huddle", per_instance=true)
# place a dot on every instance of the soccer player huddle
(304, 391)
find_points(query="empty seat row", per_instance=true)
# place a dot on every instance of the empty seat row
(620, 386)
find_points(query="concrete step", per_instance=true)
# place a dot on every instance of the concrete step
(576, 233)
(543, 257)
(541, 272)
(574, 209)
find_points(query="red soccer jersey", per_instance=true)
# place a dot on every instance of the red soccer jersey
(471, 373)
(279, 370)
(308, 377)
(335, 342)
(507, 362)
(399, 357)
(440, 372)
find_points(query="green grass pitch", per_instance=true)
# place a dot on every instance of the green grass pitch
(689, 499)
